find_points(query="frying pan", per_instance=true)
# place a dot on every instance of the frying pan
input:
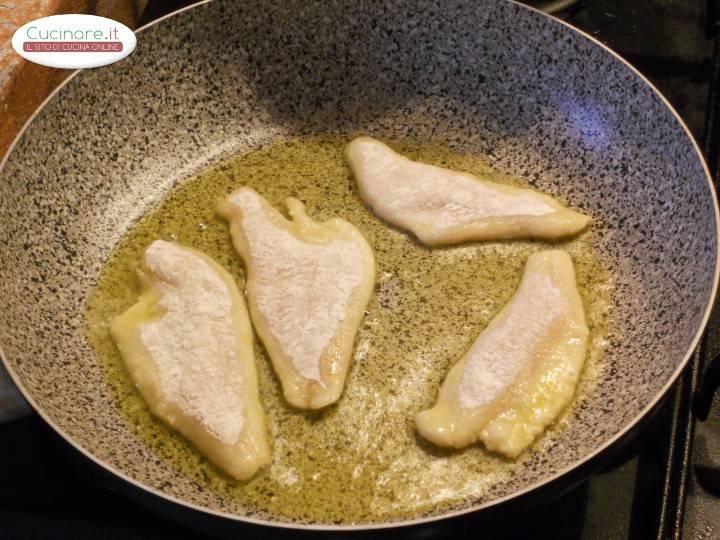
(543, 101)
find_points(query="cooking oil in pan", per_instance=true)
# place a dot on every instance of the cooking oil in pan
(359, 460)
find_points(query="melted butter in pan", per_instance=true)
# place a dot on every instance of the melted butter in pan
(359, 460)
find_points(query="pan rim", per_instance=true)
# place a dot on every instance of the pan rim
(578, 464)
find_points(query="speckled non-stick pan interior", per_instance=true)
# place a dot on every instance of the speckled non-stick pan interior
(488, 77)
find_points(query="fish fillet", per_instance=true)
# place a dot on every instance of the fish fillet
(308, 284)
(523, 368)
(187, 344)
(442, 207)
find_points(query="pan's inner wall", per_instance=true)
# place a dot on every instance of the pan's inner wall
(483, 77)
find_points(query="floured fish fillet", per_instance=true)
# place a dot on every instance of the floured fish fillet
(441, 206)
(523, 368)
(188, 346)
(308, 285)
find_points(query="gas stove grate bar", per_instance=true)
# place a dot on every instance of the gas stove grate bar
(711, 138)
(677, 471)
